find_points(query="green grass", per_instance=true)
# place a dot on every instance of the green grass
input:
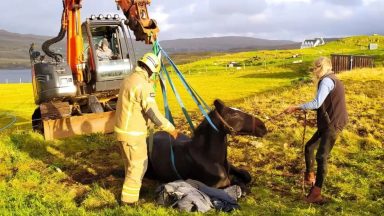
(83, 175)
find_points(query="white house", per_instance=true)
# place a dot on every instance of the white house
(308, 43)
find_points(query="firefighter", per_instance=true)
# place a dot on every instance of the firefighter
(136, 107)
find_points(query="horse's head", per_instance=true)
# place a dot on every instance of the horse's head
(239, 122)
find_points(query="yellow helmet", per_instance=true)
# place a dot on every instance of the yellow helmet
(151, 61)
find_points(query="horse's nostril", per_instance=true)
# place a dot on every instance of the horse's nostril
(263, 131)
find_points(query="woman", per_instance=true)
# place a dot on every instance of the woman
(331, 118)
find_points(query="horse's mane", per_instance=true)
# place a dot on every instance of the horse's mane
(201, 128)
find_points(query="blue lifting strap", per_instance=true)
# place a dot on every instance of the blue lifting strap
(173, 161)
(167, 110)
(179, 100)
(196, 98)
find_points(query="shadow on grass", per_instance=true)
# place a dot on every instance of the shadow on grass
(6, 119)
(92, 159)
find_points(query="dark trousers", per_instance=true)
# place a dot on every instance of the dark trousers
(327, 139)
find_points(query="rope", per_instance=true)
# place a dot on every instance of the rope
(173, 158)
(167, 110)
(191, 92)
(273, 118)
(303, 150)
(12, 122)
(179, 100)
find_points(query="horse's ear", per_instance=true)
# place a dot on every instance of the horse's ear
(219, 104)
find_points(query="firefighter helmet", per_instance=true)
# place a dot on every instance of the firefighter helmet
(151, 61)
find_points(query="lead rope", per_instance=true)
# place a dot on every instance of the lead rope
(9, 124)
(303, 151)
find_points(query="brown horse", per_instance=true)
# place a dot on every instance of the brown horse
(204, 156)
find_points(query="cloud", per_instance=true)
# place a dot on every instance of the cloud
(351, 3)
(162, 19)
(287, 1)
(270, 19)
(236, 7)
(338, 13)
(258, 18)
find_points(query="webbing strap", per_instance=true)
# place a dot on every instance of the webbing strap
(173, 159)
(167, 110)
(191, 92)
(179, 100)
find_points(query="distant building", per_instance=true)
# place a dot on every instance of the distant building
(373, 46)
(233, 64)
(308, 43)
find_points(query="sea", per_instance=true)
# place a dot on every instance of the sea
(15, 76)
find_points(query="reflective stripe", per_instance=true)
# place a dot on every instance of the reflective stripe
(130, 194)
(131, 133)
(169, 127)
(131, 188)
(151, 100)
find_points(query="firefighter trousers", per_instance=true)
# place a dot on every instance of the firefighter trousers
(134, 154)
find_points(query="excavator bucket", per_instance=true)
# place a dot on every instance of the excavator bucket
(144, 28)
(79, 125)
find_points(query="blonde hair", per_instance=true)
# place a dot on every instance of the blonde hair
(322, 66)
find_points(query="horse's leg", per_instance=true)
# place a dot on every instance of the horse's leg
(150, 173)
(241, 174)
(241, 177)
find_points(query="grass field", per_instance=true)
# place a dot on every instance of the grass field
(82, 175)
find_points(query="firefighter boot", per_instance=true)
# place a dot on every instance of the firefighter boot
(314, 196)
(309, 178)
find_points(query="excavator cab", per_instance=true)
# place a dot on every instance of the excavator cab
(108, 53)
(65, 102)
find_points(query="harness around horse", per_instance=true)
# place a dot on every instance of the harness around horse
(231, 130)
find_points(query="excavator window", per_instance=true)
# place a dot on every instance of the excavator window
(106, 40)
(109, 53)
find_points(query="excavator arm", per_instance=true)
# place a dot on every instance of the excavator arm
(144, 28)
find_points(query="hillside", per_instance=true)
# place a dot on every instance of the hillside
(222, 44)
(14, 47)
(83, 175)
(291, 59)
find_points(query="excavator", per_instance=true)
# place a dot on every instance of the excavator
(78, 96)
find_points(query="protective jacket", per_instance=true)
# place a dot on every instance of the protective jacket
(137, 105)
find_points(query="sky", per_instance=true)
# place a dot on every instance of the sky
(268, 19)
